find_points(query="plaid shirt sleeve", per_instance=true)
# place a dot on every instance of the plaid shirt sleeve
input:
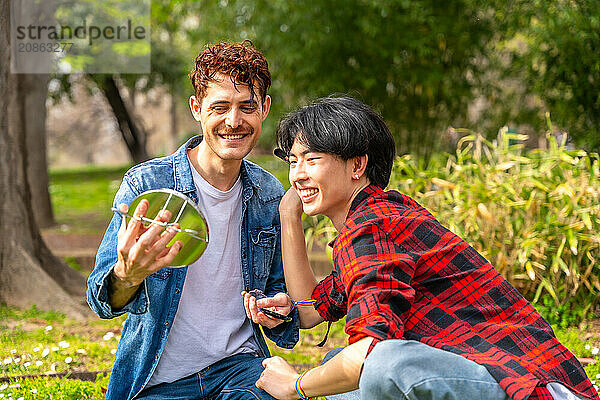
(330, 298)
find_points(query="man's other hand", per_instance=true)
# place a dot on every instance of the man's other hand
(280, 303)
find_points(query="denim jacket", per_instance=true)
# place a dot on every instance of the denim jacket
(152, 310)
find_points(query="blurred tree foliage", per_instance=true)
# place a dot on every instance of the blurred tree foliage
(424, 65)
(414, 61)
(561, 63)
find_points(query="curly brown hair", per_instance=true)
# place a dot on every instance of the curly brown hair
(242, 62)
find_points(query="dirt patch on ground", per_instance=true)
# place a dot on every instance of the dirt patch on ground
(71, 241)
(593, 331)
(78, 248)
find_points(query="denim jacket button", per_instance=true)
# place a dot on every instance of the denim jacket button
(177, 290)
(166, 323)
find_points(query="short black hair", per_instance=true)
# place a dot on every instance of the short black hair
(345, 127)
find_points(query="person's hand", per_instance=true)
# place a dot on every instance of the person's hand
(142, 251)
(280, 303)
(290, 204)
(278, 379)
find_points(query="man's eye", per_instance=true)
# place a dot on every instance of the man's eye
(249, 109)
(219, 109)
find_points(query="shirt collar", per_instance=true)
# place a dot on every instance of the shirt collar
(358, 200)
(361, 197)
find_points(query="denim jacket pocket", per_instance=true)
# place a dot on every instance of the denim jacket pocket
(263, 248)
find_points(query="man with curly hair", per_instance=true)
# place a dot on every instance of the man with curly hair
(187, 335)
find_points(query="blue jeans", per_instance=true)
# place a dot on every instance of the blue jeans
(233, 378)
(406, 369)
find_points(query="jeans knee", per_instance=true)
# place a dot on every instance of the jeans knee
(331, 354)
(378, 379)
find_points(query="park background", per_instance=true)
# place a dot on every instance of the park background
(495, 107)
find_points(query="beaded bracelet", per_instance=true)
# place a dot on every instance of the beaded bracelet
(306, 303)
(299, 389)
(302, 303)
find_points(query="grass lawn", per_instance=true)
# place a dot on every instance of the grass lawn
(33, 342)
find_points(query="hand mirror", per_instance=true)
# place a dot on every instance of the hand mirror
(193, 231)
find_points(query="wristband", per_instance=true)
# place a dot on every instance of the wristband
(299, 389)
(301, 303)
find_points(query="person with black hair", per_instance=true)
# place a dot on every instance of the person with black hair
(427, 316)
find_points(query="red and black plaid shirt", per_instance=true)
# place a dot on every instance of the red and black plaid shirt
(399, 274)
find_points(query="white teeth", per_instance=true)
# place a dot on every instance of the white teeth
(233, 136)
(308, 192)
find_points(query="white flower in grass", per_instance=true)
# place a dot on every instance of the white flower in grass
(54, 348)
(21, 398)
(108, 335)
(3, 387)
(68, 360)
(36, 349)
(587, 347)
(48, 328)
(13, 351)
(595, 351)
(63, 344)
(27, 364)
(1, 395)
(113, 351)
(45, 352)
(38, 363)
(17, 360)
(81, 351)
(33, 390)
(15, 386)
(7, 360)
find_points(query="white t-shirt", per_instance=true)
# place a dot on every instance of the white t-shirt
(210, 323)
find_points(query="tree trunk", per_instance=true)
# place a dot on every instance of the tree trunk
(36, 89)
(174, 126)
(133, 135)
(29, 273)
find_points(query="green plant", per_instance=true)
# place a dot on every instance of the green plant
(564, 315)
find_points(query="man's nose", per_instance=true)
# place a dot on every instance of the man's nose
(298, 173)
(233, 118)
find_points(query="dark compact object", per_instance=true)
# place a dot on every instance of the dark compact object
(258, 294)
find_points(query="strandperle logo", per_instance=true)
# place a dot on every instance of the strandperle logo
(91, 36)
(83, 31)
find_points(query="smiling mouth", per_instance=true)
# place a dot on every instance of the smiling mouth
(308, 194)
(232, 136)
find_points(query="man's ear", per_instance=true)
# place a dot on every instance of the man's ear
(195, 107)
(266, 106)
(359, 165)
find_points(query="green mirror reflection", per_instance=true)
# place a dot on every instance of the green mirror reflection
(192, 231)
